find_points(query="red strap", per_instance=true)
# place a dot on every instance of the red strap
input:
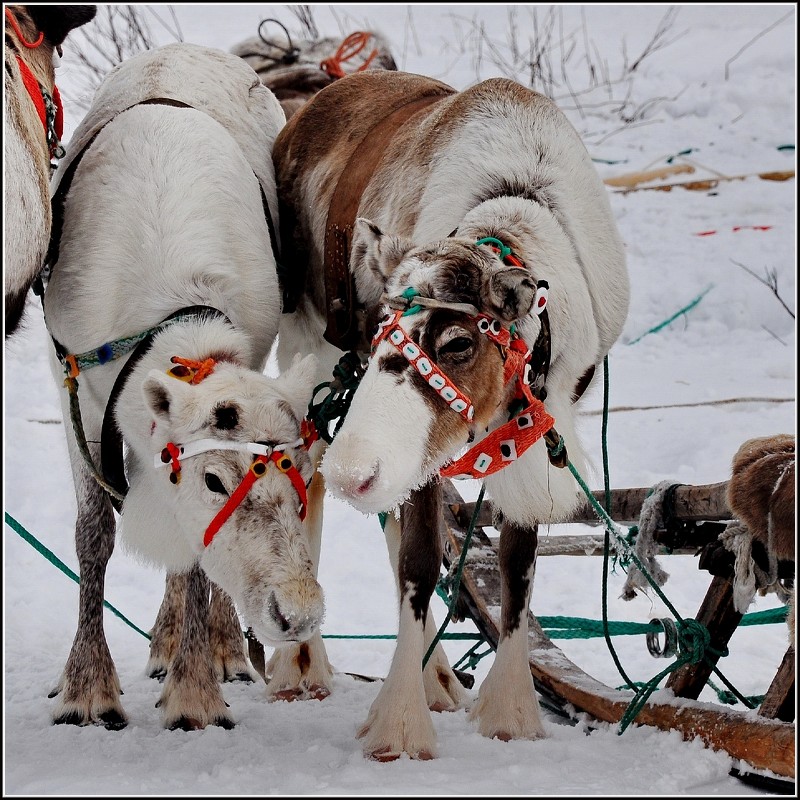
(253, 474)
(15, 25)
(257, 469)
(172, 453)
(293, 474)
(504, 445)
(33, 89)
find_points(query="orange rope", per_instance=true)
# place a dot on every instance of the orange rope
(350, 47)
(15, 25)
(190, 370)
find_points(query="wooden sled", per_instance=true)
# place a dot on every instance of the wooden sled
(764, 741)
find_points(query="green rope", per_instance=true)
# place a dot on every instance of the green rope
(558, 627)
(347, 375)
(471, 658)
(683, 310)
(453, 636)
(729, 698)
(457, 577)
(53, 559)
(505, 250)
(693, 637)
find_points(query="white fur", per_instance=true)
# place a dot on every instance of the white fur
(165, 212)
(507, 707)
(27, 220)
(399, 720)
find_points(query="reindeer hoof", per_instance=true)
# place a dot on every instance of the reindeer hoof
(186, 724)
(113, 721)
(159, 674)
(317, 692)
(288, 695)
(383, 755)
(239, 677)
(71, 718)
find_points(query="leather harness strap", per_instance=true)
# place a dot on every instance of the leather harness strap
(342, 328)
(112, 463)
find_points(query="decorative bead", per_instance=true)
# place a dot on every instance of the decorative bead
(482, 462)
(508, 450)
(448, 393)
(410, 351)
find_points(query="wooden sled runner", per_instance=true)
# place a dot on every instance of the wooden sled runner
(764, 741)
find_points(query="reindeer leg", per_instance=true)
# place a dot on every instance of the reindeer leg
(166, 632)
(192, 698)
(89, 687)
(226, 639)
(302, 671)
(443, 690)
(507, 707)
(399, 720)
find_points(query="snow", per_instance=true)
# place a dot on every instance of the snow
(682, 397)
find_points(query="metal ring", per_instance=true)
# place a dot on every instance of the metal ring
(670, 630)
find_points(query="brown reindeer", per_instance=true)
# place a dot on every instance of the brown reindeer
(33, 124)
(761, 493)
(474, 228)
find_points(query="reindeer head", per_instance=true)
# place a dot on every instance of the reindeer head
(229, 459)
(36, 34)
(402, 426)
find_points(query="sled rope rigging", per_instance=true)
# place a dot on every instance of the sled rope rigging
(349, 48)
(562, 627)
(693, 638)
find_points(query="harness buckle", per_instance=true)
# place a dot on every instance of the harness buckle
(72, 368)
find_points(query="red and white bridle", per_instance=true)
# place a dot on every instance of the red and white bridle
(172, 454)
(508, 442)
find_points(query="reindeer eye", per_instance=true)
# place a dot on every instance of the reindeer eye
(215, 484)
(457, 346)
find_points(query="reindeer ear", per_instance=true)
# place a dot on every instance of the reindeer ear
(374, 257)
(510, 294)
(297, 383)
(159, 392)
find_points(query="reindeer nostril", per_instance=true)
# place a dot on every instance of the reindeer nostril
(275, 611)
(366, 485)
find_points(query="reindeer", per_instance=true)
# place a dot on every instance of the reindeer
(761, 494)
(162, 305)
(463, 244)
(296, 70)
(33, 118)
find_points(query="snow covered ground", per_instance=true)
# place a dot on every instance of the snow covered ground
(717, 94)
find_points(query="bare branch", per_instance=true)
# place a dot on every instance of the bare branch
(755, 38)
(308, 24)
(770, 281)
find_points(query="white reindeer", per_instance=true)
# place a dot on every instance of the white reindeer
(33, 124)
(162, 304)
(473, 227)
